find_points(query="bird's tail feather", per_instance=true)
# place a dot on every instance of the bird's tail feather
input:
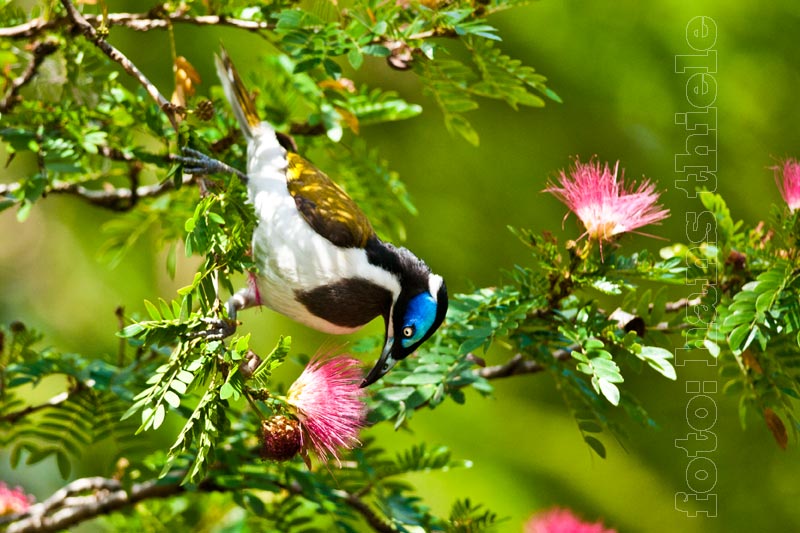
(243, 106)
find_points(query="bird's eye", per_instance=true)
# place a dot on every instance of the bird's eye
(408, 332)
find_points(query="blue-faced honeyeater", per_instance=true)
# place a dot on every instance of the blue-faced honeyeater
(319, 260)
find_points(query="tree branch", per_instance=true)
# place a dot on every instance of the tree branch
(91, 497)
(40, 51)
(65, 508)
(134, 21)
(55, 401)
(118, 199)
(401, 57)
(678, 305)
(518, 365)
(92, 35)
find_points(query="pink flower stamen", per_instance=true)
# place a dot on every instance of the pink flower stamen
(329, 404)
(558, 520)
(787, 177)
(13, 501)
(603, 202)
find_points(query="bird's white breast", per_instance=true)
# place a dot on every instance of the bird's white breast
(290, 255)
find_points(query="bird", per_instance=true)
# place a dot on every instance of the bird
(319, 261)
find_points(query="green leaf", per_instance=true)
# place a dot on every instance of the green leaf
(731, 321)
(663, 367)
(609, 390)
(158, 416)
(764, 301)
(376, 50)
(595, 445)
(227, 391)
(738, 336)
(152, 310)
(396, 394)
(590, 427)
(470, 345)
(172, 399)
(422, 378)
(131, 331)
(64, 466)
(458, 124)
(712, 347)
(356, 58)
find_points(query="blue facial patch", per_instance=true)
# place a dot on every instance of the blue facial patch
(419, 318)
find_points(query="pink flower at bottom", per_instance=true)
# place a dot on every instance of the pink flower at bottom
(558, 520)
(329, 404)
(603, 203)
(787, 176)
(13, 501)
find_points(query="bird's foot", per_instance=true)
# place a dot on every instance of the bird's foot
(198, 163)
(218, 329)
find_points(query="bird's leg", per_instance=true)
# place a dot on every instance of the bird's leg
(195, 162)
(221, 328)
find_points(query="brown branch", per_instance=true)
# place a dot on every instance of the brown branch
(678, 305)
(134, 21)
(144, 22)
(401, 57)
(116, 199)
(40, 51)
(518, 365)
(88, 498)
(83, 25)
(70, 506)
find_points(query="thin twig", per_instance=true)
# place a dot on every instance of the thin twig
(119, 312)
(518, 365)
(80, 23)
(375, 521)
(678, 305)
(134, 21)
(118, 199)
(40, 51)
(55, 401)
(354, 500)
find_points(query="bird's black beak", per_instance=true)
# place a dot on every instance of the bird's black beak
(382, 366)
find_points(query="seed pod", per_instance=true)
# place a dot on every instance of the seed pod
(281, 438)
(205, 110)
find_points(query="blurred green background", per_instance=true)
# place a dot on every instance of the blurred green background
(613, 65)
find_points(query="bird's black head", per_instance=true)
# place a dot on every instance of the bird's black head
(415, 315)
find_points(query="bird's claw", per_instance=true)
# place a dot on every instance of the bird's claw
(219, 329)
(198, 163)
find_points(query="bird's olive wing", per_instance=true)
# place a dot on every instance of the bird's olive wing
(325, 206)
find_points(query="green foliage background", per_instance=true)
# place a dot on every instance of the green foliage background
(613, 66)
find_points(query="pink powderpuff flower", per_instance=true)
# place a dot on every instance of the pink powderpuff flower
(787, 176)
(558, 520)
(13, 501)
(329, 404)
(603, 203)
